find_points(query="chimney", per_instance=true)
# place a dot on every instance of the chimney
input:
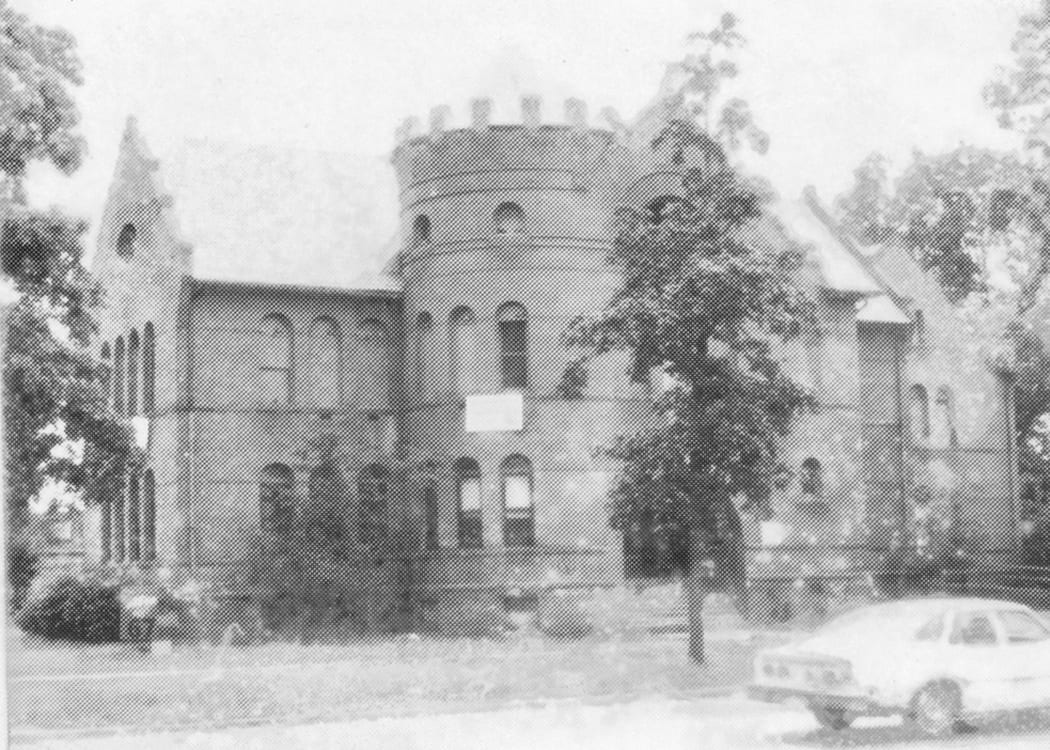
(530, 111)
(480, 113)
(439, 117)
(576, 113)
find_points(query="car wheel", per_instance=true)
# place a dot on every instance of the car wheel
(935, 709)
(832, 718)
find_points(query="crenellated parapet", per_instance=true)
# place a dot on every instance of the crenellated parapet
(569, 149)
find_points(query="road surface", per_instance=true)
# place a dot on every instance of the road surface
(661, 724)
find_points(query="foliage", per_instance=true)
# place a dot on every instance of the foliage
(1021, 92)
(49, 378)
(705, 307)
(561, 614)
(74, 610)
(38, 117)
(22, 564)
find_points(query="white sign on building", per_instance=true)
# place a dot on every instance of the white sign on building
(494, 412)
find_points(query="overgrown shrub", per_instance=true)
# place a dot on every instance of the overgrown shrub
(74, 610)
(562, 615)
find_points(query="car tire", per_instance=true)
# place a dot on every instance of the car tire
(935, 709)
(835, 719)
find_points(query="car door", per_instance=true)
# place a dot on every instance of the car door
(1026, 656)
(974, 659)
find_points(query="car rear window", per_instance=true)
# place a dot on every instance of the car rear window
(1021, 627)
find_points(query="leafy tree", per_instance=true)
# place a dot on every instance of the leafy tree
(49, 376)
(702, 304)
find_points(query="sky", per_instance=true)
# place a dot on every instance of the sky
(829, 80)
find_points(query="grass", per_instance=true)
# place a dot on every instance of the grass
(104, 687)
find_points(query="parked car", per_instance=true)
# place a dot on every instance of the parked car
(939, 662)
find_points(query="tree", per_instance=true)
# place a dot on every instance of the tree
(701, 304)
(50, 379)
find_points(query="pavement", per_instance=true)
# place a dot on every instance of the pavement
(710, 723)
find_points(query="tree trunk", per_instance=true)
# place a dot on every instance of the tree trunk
(697, 586)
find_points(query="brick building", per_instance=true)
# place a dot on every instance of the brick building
(426, 404)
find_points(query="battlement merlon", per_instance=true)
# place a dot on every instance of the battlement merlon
(528, 143)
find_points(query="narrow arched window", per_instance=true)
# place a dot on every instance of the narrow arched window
(468, 501)
(107, 378)
(134, 527)
(149, 516)
(811, 478)
(373, 491)
(118, 376)
(944, 435)
(276, 500)
(374, 367)
(149, 370)
(126, 240)
(462, 349)
(324, 364)
(919, 414)
(420, 230)
(118, 523)
(327, 499)
(275, 369)
(919, 330)
(106, 521)
(513, 345)
(429, 499)
(424, 335)
(133, 373)
(519, 522)
(509, 218)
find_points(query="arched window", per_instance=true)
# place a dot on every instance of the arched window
(118, 524)
(811, 478)
(519, 523)
(919, 330)
(276, 500)
(374, 366)
(275, 369)
(326, 492)
(373, 490)
(149, 370)
(107, 379)
(126, 240)
(944, 435)
(509, 218)
(133, 373)
(513, 345)
(424, 334)
(468, 498)
(462, 349)
(919, 414)
(118, 376)
(134, 529)
(420, 230)
(106, 531)
(324, 364)
(429, 499)
(149, 516)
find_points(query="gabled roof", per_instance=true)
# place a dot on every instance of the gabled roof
(266, 215)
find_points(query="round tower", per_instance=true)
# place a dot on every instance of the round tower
(505, 234)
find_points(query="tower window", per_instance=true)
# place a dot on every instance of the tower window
(420, 230)
(513, 344)
(811, 479)
(126, 240)
(462, 341)
(275, 371)
(919, 414)
(519, 527)
(509, 218)
(468, 492)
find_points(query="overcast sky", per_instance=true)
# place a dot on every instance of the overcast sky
(830, 80)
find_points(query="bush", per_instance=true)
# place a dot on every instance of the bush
(74, 610)
(562, 615)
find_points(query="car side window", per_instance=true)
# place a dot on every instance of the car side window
(973, 629)
(1021, 627)
(932, 630)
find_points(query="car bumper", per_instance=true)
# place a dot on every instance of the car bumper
(852, 703)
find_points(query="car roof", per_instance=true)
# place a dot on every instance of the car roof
(946, 603)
